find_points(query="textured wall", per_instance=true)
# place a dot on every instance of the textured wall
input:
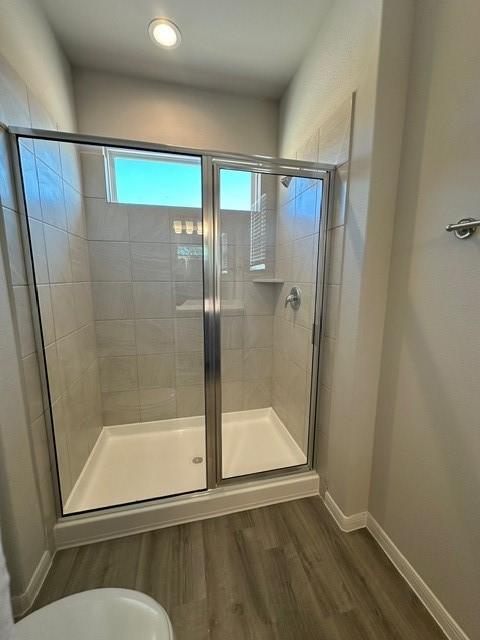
(125, 107)
(425, 482)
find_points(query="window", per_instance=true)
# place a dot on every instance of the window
(142, 177)
(171, 180)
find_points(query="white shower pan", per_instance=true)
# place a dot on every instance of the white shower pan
(142, 461)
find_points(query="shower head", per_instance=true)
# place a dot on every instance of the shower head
(285, 180)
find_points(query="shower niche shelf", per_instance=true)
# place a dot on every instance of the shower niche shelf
(268, 281)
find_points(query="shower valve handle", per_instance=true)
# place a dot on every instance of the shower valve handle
(294, 298)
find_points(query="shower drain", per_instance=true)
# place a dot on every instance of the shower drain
(197, 460)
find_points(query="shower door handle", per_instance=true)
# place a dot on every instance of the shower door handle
(294, 298)
(464, 228)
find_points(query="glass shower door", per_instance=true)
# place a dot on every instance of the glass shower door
(268, 228)
(116, 240)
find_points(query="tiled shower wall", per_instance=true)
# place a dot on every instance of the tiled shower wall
(247, 308)
(148, 304)
(296, 264)
(54, 200)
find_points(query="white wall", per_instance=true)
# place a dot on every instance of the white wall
(345, 58)
(27, 43)
(26, 502)
(426, 478)
(140, 109)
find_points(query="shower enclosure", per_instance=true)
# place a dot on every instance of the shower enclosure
(177, 299)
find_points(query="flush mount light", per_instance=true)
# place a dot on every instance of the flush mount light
(165, 33)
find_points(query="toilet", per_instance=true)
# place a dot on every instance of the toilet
(99, 614)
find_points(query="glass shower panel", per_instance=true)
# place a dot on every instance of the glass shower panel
(268, 242)
(116, 237)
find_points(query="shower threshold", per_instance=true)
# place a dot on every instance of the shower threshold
(141, 461)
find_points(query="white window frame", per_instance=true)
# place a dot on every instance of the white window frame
(110, 153)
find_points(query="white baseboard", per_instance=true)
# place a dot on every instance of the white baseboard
(449, 626)
(77, 530)
(345, 523)
(432, 604)
(22, 603)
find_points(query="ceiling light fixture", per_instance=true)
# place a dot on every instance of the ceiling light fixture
(165, 33)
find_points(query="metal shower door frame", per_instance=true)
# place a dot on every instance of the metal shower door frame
(211, 162)
(276, 167)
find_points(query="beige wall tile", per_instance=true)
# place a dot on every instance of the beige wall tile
(189, 334)
(80, 258)
(30, 184)
(304, 261)
(46, 313)
(190, 401)
(157, 404)
(152, 299)
(118, 373)
(115, 337)
(150, 261)
(82, 295)
(110, 261)
(257, 364)
(51, 195)
(120, 407)
(70, 358)
(232, 396)
(189, 368)
(257, 394)
(93, 172)
(55, 379)
(258, 331)
(259, 299)
(155, 336)
(232, 365)
(58, 255)
(113, 300)
(306, 213)
(74, 209)
(39, 251)
(156, 370)
(232, 332)
(63, 306)
(70, 163)
(106, 220)
(148, 224)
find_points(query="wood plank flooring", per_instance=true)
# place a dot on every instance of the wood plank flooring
(281, 572)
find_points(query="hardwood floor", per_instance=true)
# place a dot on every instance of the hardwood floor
(281, 572)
